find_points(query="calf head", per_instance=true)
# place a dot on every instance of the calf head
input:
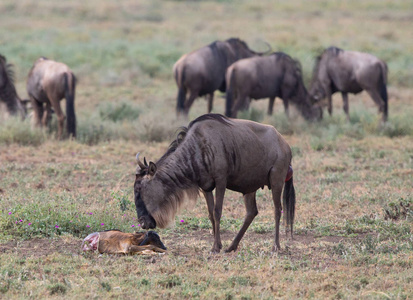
(151, 238)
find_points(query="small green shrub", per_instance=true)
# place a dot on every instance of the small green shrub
(57, 288)
(252, 114)
(399, 209)
(14, 130)
(119, 111)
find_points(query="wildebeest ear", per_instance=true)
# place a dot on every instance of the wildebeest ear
(151, 168)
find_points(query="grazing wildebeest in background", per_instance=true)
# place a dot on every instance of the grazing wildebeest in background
(202, 71)
(49, 82)
(8, 94)
(215, 152)
(118, 242)
(276, 75)
(337, 70)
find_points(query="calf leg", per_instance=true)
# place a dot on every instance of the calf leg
(345, 105)
(271, 106)
(252, 211)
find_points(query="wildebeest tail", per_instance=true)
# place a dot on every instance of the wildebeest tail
(70, 86)
(229, 94)
(383, 88)
(289, 204)
(180, 101)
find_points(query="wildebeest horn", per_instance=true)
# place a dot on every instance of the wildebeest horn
(267, 51)
(144, 161)
(141, 165)
(269, 48)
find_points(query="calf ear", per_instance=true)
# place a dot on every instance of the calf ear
(152, 168)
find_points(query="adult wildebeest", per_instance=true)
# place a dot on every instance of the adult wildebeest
(215, 152)
(202, 71)
(49, 82)
(8, 94)
(276, 75)
(342, 71)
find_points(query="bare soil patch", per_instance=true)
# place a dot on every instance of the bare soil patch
(178, 246)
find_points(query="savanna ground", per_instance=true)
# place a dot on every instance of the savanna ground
(353, 230)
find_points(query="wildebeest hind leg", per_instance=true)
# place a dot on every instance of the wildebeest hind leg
(38, 112)
(47, 115)
(252, 211)
(190, 101)
(60, 117)
(377, 99)
(277, 183)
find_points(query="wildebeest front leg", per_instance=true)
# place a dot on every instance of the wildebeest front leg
(271, 106)
(210, 99)
(329, 100)
(219, 200)
(252, 211)
(287, 112)
(345, 105)
(209, 197)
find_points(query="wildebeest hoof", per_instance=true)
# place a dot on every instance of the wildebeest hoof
(215, 250)
(276, 249)
(230, 249)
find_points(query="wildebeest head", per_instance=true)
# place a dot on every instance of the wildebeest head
(317, 92)
(144, 174)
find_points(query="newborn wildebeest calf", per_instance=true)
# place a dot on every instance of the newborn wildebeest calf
(118, 242)
(215, 152)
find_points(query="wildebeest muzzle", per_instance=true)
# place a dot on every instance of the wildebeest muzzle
(144, 218)
(147, 222)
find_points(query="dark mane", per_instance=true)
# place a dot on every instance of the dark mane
(182, 131)
(217, 117)
(180, 136)
(239, 47)
(333, 50)
(237, 42)
(294, 63)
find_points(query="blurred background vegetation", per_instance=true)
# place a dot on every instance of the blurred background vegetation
(123, 51)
